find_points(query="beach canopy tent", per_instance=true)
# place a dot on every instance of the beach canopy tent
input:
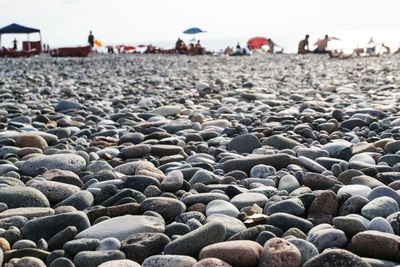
(16, 29)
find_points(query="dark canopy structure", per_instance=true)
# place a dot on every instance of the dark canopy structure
(16, 28)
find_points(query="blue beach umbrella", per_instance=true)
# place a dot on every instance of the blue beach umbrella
(193, 31)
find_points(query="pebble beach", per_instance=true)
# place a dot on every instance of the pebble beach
(168, 160)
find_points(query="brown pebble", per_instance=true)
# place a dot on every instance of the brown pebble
(278, 252)
(31, 140)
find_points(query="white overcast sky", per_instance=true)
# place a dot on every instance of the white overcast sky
(67, 22)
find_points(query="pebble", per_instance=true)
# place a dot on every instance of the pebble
(138, 247)
(336, 257)
(245, 143)
(69, 162)
(219, 207)
(95, 258)
(380, 224)
(307, 249)
(19, 196)
(386, 246)
(169, 260)
(279, 252)
(236, 253)
(167, 207)
(232, 225)
(355, 190)
(214, 262)
(123, 226)
(380, 207)
(247, 199)
(327, 238)
(191, 243)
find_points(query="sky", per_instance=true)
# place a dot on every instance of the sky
(67, 22)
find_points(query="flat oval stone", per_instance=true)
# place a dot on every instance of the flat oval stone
(232, 225)
(380, 207)
(22, 196)
(220, 207)
(245, 143)
(386, 246)
(285, 221)
(211, 262)
(317, 181)
(136, 150)
(204, 198)
(237, 253)
(336, 257)
(48, 226)
(354, 190)
(167, 207)
(95, 258)
(353, 204)
(169, 260)
(327, 238)
(350, 225)
(248, 199)
(140, 246)
(120, 263)
(73, 247)
(191, 243)
(79, 200)
(54, 191)
(380, 224)
(123, 226)
(69, 162)
(27, 212)
(292, 206)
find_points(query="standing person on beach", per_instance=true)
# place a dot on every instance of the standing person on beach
(15, 44)
(303, 46)
(322, 45)
(91, 39)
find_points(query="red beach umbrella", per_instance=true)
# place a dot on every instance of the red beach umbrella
(129, 47)
(142, 45)
(257, 42)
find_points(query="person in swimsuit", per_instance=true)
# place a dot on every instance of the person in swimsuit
(303, 46)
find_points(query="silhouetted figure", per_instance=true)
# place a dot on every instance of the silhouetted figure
(91, 39)
(15, 44)
(303, 46)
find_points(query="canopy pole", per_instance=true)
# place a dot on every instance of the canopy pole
(41, 45)
(29, 43)
(1, 48)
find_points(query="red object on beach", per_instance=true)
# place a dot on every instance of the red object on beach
(71, 51)
(142, 45)
(130, 48)
(257, 42)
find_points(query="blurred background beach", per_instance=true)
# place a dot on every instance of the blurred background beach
(67, 22)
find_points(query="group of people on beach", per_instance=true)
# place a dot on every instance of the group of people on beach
(303, 48)
(322, 45)
(193, 49)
